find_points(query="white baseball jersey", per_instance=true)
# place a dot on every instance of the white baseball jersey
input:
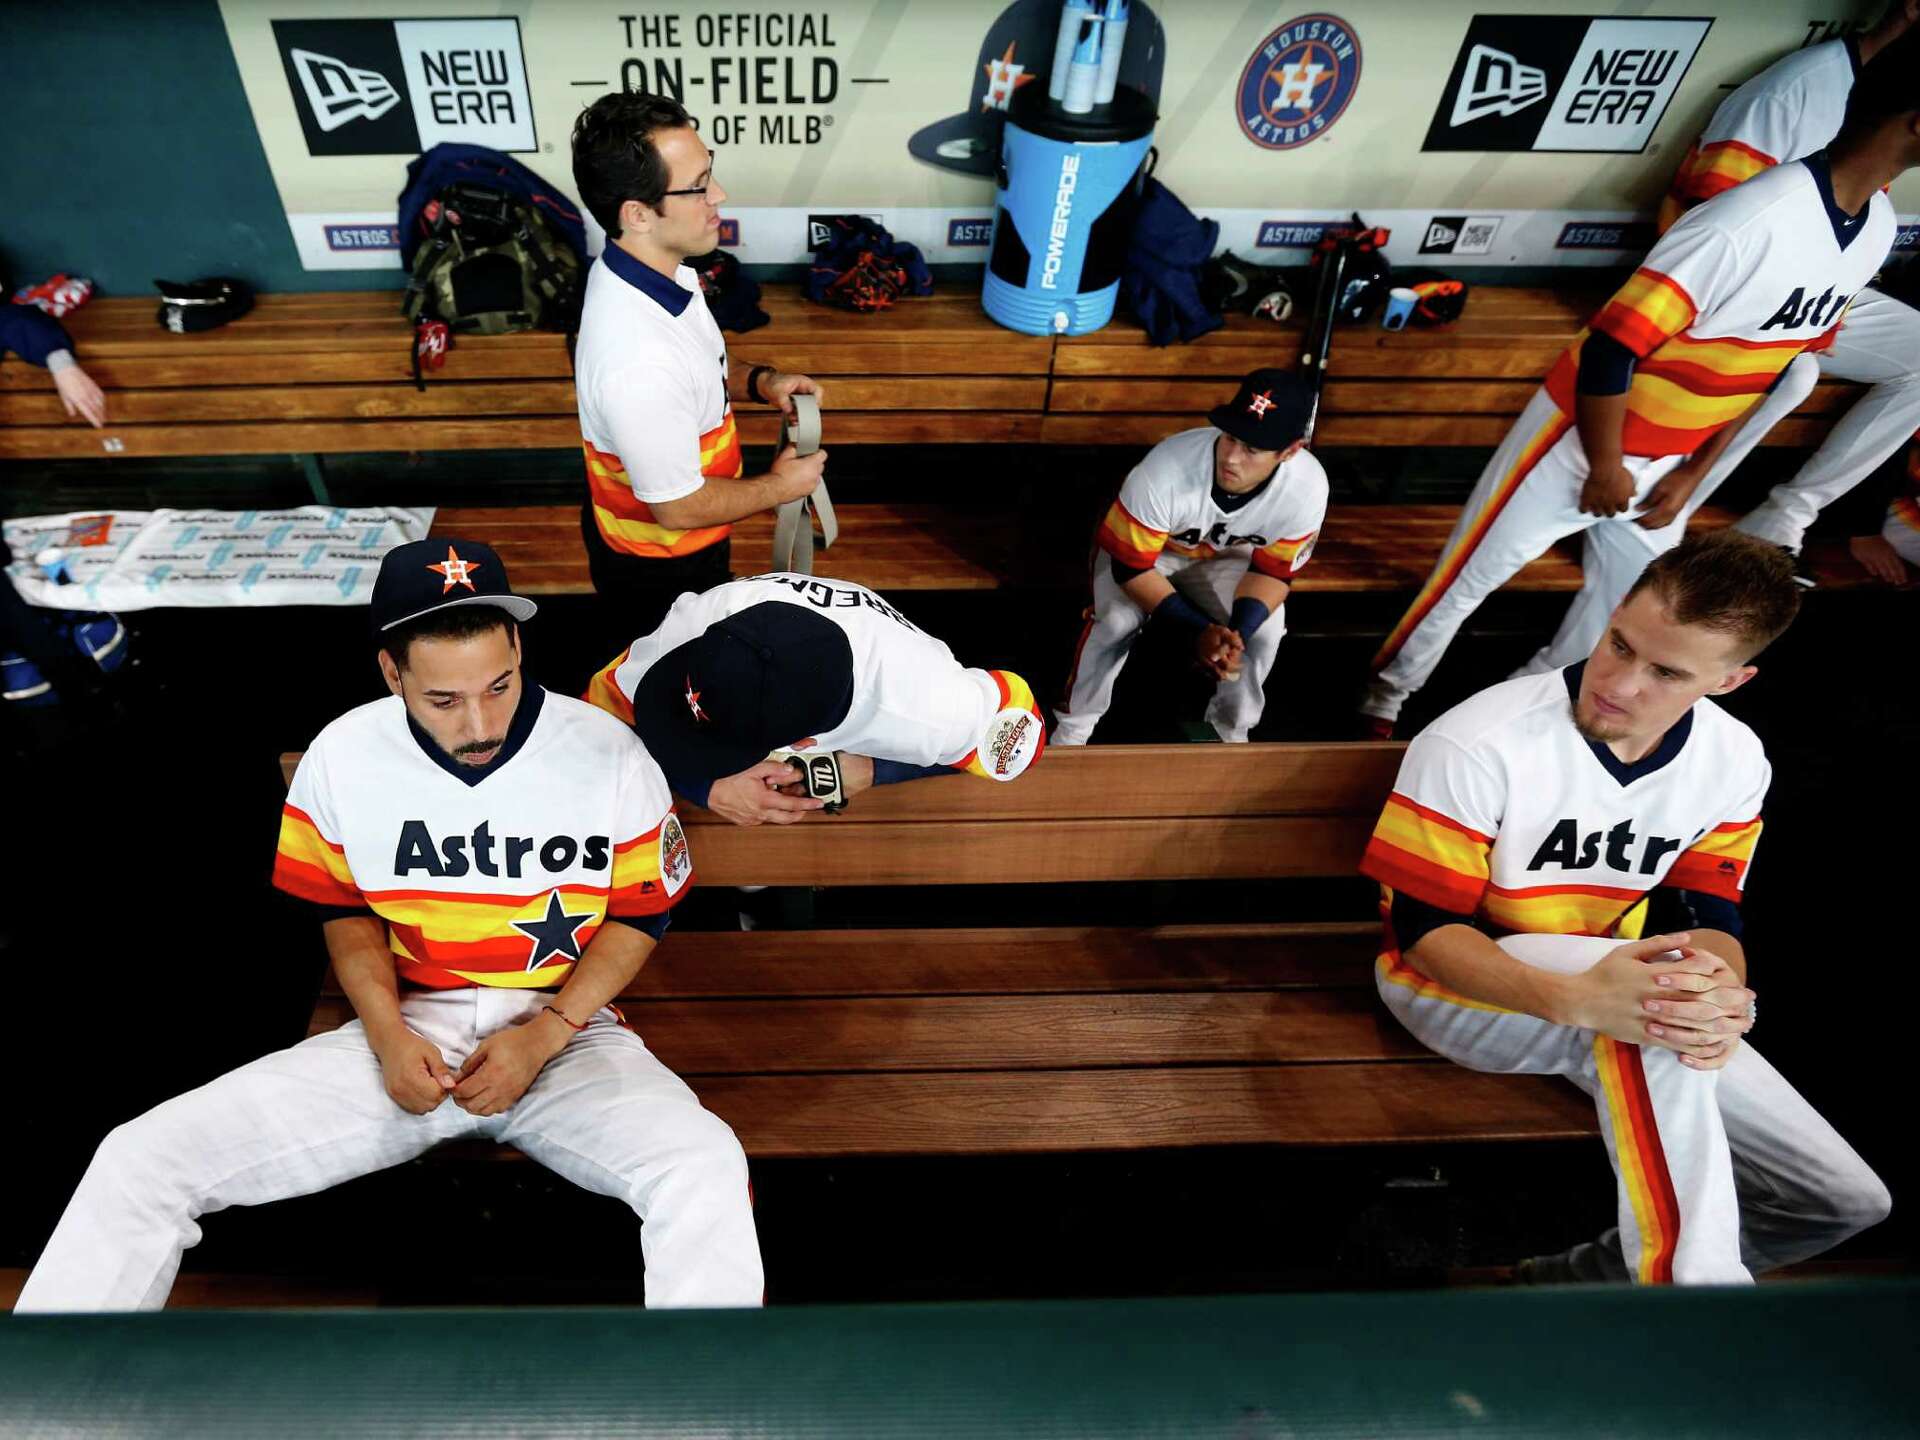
(1725, 301)
(1786, 112)
(650, 374)
(497, 880)
(1168, 505)
(912, 700)
(1504, 811)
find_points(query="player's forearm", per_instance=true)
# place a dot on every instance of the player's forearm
(738, 373)
(1468, 963)
(363, 964)
(1148, 589)
(612, 959)
(719, 502)
(1601, 421)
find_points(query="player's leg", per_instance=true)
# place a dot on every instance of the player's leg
(1879, 346)
(290, 1123)
(610, 1117)
(1113, 623)
(1612, 555)
(1789, 391)
(1237, 704)
(1525, 500)
(1679, 1219)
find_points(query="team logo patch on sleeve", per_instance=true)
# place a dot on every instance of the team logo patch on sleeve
(676, 856)
(1014, 738)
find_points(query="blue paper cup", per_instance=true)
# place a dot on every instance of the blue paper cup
(1400, 303)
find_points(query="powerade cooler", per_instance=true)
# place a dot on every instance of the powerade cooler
(1063, 212)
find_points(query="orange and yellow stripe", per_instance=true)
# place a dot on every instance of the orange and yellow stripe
(309, 865)
(603, 691)
(1453, 560)
(1015, 694)
(1431, 856)
(636, 887)
(1559, 909)
(1707, 171)
(1639, 1158)
(1284, 557)
(627, 523)
(1646, 312)
(1905, 511)
(442, 939)
(1129, 541)
(1716, 863)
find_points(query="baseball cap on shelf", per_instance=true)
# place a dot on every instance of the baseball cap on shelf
(747, 685)
(1269, 412)
(423, 576)
(1017, 53)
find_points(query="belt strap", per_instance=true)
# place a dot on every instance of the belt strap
(793, 523)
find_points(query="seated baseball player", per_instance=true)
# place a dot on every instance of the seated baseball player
(1532, 832)
(847, 690)
(491, 865)
(1206, 537)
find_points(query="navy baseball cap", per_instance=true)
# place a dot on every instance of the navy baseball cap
(423, 576)
(1017, 54)
(749, 684)
(1269, 412)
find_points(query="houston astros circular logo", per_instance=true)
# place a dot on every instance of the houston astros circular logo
(1298, 82)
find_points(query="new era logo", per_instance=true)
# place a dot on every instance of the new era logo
(338, 92)
(1495, 83)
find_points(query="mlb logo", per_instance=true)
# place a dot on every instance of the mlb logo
(730, 233)
(963, 233)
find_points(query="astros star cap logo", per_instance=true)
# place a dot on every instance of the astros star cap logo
(1003, 78)
(1260, 404)
(693, 702)
(455, 570)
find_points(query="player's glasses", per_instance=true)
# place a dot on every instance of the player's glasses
(700, 189)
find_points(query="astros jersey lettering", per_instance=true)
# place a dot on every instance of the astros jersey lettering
(1789, 110)
(650, 371)
(1724, 301)
(1167, 506)
(1503, 811)
(502, 882)
(912, 700)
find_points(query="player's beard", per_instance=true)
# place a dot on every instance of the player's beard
(477, 747)
(1600, 730)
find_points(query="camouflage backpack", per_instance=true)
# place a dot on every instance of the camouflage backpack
(490, 263)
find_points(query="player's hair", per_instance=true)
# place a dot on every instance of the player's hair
(460, 622)
(1728, 582)
(614, 157)
(1889, 85)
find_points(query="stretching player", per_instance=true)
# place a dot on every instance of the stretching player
(1207, 534)
(491, 865)
(1529, 833)
(1727, 299)
(822, 667)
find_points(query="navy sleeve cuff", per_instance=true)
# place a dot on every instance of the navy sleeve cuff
(340, 912)
(1606, 366)
(892, 772)
(30, 332)
(1249, 615)
(1413, 920)
(1675, 909)
(654, 925)
(1177, 608)
(691, 788)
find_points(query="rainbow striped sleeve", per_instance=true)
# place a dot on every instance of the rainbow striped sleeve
(1284, 558)
(1707, 171)
(1903, 515)
(1429, 855)
(311, 866)
(603, 691)
(1128, 540)
(643, 866)
(1716, 863)
(1647, 311)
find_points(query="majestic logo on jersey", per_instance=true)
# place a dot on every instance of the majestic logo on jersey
(1260, 404)
(1801, 311)
(1004, 77)
(1496, 84)
(1298, 82)
(484, 853)
(555, 934)
(693, 702)
(676, 858)
(455, 570)
(1571, 848)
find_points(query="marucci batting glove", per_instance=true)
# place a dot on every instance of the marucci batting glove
(819, 773)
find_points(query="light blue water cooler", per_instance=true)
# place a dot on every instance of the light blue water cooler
(1063, 211)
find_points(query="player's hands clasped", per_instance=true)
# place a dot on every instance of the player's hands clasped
(504, 1064)
(1218, 650)
(1634, 996)
(1608, 490)
(754, 796)
(796, 476)
(416, 1072)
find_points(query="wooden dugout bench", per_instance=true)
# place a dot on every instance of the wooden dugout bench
(1064, 1038)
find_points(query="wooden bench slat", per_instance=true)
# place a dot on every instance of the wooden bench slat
(1356, 430)
(1347, 397)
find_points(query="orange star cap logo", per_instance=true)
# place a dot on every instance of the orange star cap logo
(456, 571)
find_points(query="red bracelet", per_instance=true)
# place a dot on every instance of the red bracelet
(563, 1019)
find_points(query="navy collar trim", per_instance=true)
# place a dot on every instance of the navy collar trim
(1668, 750)
(1852, 42)
(1846, 228)
(531, 699)
(663, 290)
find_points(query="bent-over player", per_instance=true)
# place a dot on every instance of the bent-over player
(1723, 304)
(817, 666)
(1529, 832)
(491, 865)
(1207, 535)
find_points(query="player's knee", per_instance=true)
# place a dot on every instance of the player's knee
(1860, 1199)
(707, 1156)
(132, 1160)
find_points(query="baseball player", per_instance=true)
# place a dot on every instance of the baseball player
(1532, 832)
(655, 384)
(1723, 304)
(826, 673)
(491, 865)
(1207, 535)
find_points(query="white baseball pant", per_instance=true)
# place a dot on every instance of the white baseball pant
(1720, 1173)
(1116, 621)
(1526, 499)
(1901, 529)
(604, 1113)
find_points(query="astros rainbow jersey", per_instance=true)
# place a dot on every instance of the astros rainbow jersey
(1503, 811)
(1168, 506)
(650, 374)
(1726, 298)
(497, 880)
